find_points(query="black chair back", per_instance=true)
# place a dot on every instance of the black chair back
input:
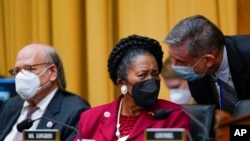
(202, 121)
(242, 108)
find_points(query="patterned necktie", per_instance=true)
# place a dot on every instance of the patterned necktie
(31, 110)
(226, 94)
(219, 88)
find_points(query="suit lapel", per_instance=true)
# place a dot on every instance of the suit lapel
(108, 127)
(236, 68)
(108, 122)
(52, 109)
(13, 114)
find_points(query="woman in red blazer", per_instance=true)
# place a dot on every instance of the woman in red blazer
(134, 66)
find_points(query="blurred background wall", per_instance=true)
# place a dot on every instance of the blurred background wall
(85, 31)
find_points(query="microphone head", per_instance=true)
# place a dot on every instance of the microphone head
(25, 124)
(161, 113)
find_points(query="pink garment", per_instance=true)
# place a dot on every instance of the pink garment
(99, 123)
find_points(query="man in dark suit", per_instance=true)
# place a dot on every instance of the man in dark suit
(40, 83)
(217, 67)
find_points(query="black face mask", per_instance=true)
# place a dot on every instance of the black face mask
(145, 93)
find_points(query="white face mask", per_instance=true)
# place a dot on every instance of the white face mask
(27, 83)
(180, 96)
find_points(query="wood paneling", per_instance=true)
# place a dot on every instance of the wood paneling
(243, 9)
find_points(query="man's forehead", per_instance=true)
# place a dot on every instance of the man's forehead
(29, 57)
(178, 53)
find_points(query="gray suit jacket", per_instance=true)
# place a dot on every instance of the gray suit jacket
(64, 107)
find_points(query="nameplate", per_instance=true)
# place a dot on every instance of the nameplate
(165, 134)
(41, 135)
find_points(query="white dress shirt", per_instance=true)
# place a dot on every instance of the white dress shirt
(223, 73)
(42, 105)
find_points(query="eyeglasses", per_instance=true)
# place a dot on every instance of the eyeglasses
(29, 68)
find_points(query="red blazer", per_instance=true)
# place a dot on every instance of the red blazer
(99, 123)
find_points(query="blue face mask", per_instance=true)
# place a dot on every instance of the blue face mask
(187, 72)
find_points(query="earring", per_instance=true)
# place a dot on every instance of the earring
(124, 89)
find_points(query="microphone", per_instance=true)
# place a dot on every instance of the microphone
(27, 123)
(163, 113)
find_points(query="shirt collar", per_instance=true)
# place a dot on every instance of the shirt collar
(42, 105)
(223, 70)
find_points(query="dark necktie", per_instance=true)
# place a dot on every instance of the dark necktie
(226, 94)
(31, 110)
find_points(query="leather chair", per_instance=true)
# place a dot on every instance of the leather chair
(242, 108)
(202, 121)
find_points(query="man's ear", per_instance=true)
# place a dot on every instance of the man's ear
(54, 73)
(210, 60)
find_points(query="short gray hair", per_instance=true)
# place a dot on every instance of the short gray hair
(199, 34)
(53, 57)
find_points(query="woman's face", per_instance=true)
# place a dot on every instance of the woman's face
(143, 67)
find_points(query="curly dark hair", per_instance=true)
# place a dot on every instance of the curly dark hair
(127, 49)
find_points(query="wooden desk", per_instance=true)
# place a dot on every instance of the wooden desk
(223, 130)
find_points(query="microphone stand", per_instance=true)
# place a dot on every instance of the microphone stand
(27, 123)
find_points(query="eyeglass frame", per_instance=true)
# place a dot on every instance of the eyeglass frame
(13, 72)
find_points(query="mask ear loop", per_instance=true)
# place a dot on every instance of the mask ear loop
(124, 89)
(197, 62)
(44, 70)
(46, 83)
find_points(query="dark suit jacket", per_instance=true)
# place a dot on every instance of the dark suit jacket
(1, 103)
(64, 107)
(238, 52)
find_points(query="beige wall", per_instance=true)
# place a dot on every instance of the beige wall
(84, 32)
(243, 14)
